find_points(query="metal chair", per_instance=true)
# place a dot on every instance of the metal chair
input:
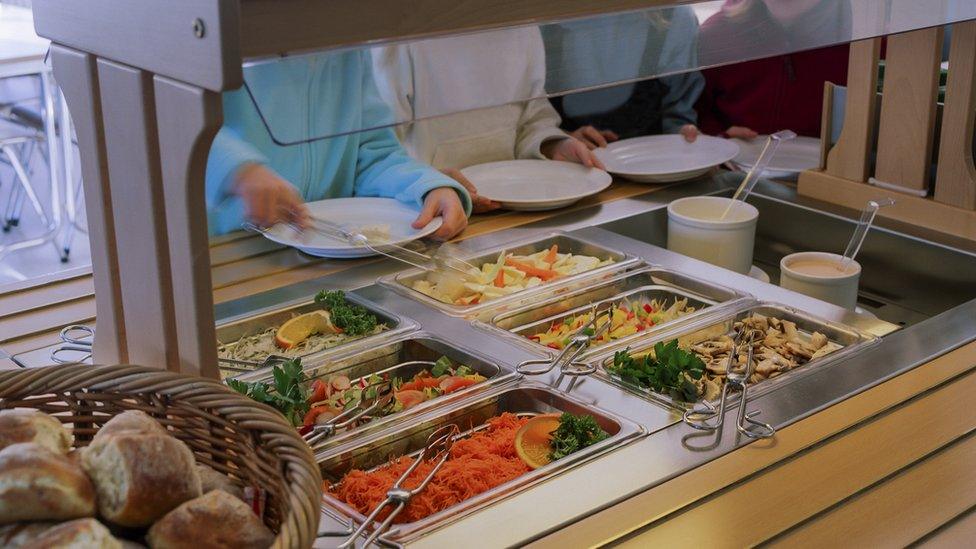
(17, 144)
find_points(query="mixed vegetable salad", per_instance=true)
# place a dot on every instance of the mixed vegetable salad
(306, 403)
(626, 318)
(509, 274)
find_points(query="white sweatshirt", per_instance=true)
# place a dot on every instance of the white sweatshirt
(475, 87)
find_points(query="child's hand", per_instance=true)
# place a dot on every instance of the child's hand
(268, 199)
(689, 132)
(571, 150)
(444, 202)
(479, 204)
(741, 132)
(594, 138)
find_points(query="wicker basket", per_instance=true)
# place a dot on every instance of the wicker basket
(250, 442)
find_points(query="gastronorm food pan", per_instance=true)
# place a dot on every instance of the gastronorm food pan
(232, 330)
(402, 282)
(526, 398)
(640, 285)
(850, 341)
(402, 357)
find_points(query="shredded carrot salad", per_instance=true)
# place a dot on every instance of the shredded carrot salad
(477, 464)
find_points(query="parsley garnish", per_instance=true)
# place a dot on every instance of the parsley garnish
(353, 319)
(671, 371)
(573, 434)
(288, 393)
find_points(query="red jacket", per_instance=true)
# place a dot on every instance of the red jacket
(779, 92)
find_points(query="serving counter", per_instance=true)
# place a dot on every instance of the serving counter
(868, 436)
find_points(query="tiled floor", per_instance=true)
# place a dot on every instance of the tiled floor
(35, 262)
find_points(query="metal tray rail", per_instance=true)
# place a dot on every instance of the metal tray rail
(403, 357)
(401, 282)
(527, 398)
(851, 340)
(647, 282)
(255, 322)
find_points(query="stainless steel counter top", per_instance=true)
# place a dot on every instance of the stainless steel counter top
(666, 451)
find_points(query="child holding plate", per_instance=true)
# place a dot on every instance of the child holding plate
(270, 157)
(474, 99)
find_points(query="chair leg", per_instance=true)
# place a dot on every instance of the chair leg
(24, 182)
(11, 212)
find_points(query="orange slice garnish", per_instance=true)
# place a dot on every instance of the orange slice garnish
(302, 327)
(532, 440)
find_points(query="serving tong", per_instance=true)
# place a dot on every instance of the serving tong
(363, 409)
(75, 338)
(701, 417)
(439, 260)
(437, 449)
(567, 359)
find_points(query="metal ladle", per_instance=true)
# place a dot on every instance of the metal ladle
(751, 178)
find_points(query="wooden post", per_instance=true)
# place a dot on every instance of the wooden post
(850, 158)
(955, 182)
(907, 130)
(76, 73)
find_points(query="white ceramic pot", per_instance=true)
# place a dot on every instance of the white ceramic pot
(696, 230)
(809, 273)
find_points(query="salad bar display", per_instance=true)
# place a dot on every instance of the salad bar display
(403, 411)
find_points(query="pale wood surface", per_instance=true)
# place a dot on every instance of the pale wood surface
(922, 212)
(911, 81)
(955, 181)
(850, 157)
(959, 533)
(769, 490)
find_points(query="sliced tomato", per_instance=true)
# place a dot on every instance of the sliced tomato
(456, 383)
(410, 398)
(648, 309)
(320, 391)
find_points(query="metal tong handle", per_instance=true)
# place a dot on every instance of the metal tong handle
(566, 359)
(438, 449)
(74, 343)
(749, 427)
(325, 430)
(698, 418)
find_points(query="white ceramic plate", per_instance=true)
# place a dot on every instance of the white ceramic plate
(792, 157)
(665, 158)
(353, 214)
(534, 185)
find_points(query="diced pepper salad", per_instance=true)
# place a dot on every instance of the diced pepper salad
(626, 318)
(510, 273)
(331, 396)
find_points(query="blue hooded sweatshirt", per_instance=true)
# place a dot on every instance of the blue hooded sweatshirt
(303, 98)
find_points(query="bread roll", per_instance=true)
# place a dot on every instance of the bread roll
(28, 425)
(211, 479)
(13, 536)
(130, 421)
(140, 477)
(76, 534)
(39, 484)
(215, 520)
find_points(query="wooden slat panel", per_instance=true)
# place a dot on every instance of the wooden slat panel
(911, 81)
(959, 533)
(955, 182)
(806, 485)
(42, 296)
(52, 318)
(850, 157)
(902, 509)
(683, 491)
